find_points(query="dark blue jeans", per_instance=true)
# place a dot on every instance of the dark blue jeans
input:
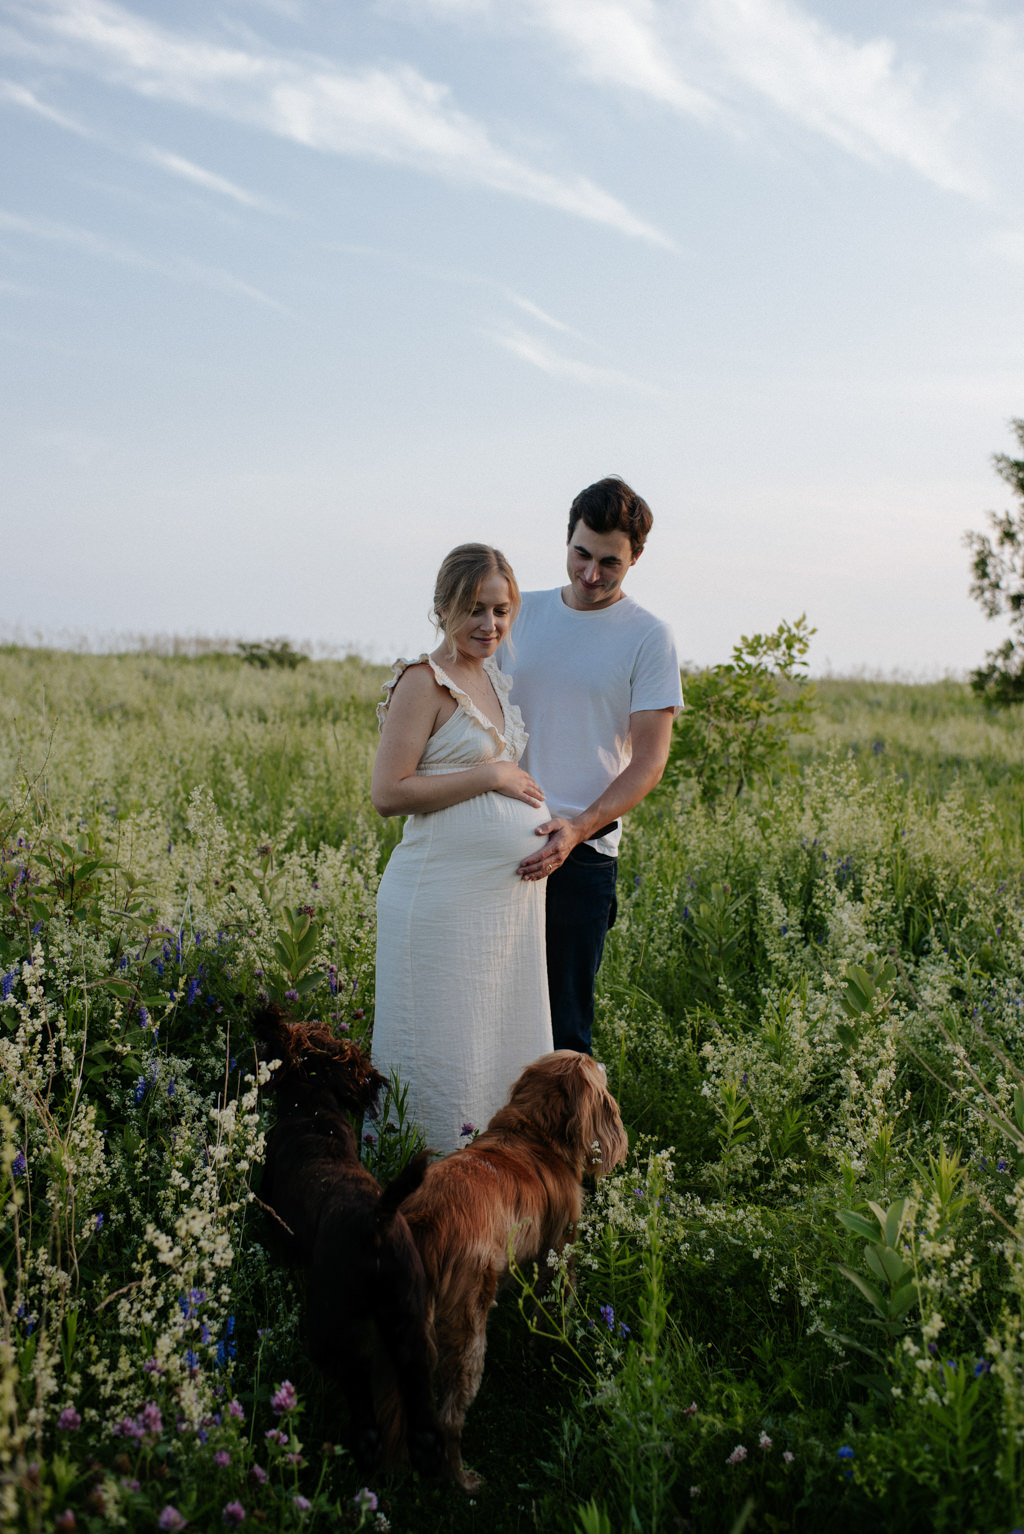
(581, 909)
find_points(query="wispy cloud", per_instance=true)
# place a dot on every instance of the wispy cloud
(394, 114)
(537, 313)
(719, 61)
(179, 270)
(207, 179)
(20, 96)
(855, 93)
(540, 354)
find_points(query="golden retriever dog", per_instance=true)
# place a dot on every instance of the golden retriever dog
(516, 1189)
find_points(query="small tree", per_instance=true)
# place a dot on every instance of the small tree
(997, 565)
(740, 714)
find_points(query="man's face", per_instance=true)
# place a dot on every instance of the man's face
(597, 565)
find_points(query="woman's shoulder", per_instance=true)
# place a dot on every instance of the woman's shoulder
(418, 680)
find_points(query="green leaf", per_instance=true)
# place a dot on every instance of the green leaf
(858, 1224)
(868, 1290)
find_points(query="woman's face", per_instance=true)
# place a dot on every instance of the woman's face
(478, 636)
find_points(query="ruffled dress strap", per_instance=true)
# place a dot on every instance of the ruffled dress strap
(513, 737)
(401, 664)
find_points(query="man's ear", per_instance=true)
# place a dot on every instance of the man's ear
(636, 556)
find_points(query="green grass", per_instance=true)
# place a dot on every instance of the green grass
(163, 818)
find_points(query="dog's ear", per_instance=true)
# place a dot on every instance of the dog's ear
(603, 1137)
(547, 1093)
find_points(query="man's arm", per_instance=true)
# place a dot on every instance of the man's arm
(650, 732)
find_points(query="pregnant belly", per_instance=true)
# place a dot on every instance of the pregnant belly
(490, 829)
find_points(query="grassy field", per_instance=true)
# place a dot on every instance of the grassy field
(799, 1305)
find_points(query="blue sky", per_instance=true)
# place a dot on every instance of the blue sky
(296, 295)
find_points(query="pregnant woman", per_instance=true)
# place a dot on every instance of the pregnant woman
(462, 1002)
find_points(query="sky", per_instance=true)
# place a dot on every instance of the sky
(295, 295)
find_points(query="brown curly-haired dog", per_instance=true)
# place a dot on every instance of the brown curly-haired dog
(365, 1288)
(517, 1187)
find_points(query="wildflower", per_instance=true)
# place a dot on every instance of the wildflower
(69, 1420)
(294, 1459)
(19, 1166)
(365, 1500)
(467, 1130)
(284, 1398)
(1001, 1165)
(151, 1418)
(607, 1315)
(258, 1474)
(691, 1410)
(694, 1491)
(291, 995)
(307, 910)
(65, 1523)
(737, 1456)
(787, 1457)
(764, 1442)
(981, 1367)
(303, 1504)
(99, 1221)
(846, 1452)
(275, 1435)
(233, 1512)
(236, 1409)
(170, 1518)
(222, 1458)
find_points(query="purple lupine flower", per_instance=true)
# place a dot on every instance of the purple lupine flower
(284, 1398)
(99, 1221)
(19, 1166)
(607, 1315)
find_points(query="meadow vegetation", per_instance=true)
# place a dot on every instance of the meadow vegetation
(800, 1302)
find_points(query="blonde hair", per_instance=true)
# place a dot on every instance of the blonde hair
(458, 583)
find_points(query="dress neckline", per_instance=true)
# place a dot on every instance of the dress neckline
(513, 736)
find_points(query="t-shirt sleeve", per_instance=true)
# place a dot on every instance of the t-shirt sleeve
(654, 681)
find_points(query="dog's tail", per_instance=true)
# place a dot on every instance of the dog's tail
(399, 1189)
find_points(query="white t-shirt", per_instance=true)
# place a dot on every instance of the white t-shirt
(577, 677)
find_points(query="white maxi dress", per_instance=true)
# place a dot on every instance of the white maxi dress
(461, 993)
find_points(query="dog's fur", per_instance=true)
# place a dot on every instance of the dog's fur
(365, 1289)
(517, 1188)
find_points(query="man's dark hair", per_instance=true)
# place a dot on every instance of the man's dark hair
(610, 506)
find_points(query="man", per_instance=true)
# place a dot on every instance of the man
(597, 679)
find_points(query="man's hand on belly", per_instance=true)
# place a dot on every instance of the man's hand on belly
(562, 836)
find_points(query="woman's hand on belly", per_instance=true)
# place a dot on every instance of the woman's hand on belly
(514, 783)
